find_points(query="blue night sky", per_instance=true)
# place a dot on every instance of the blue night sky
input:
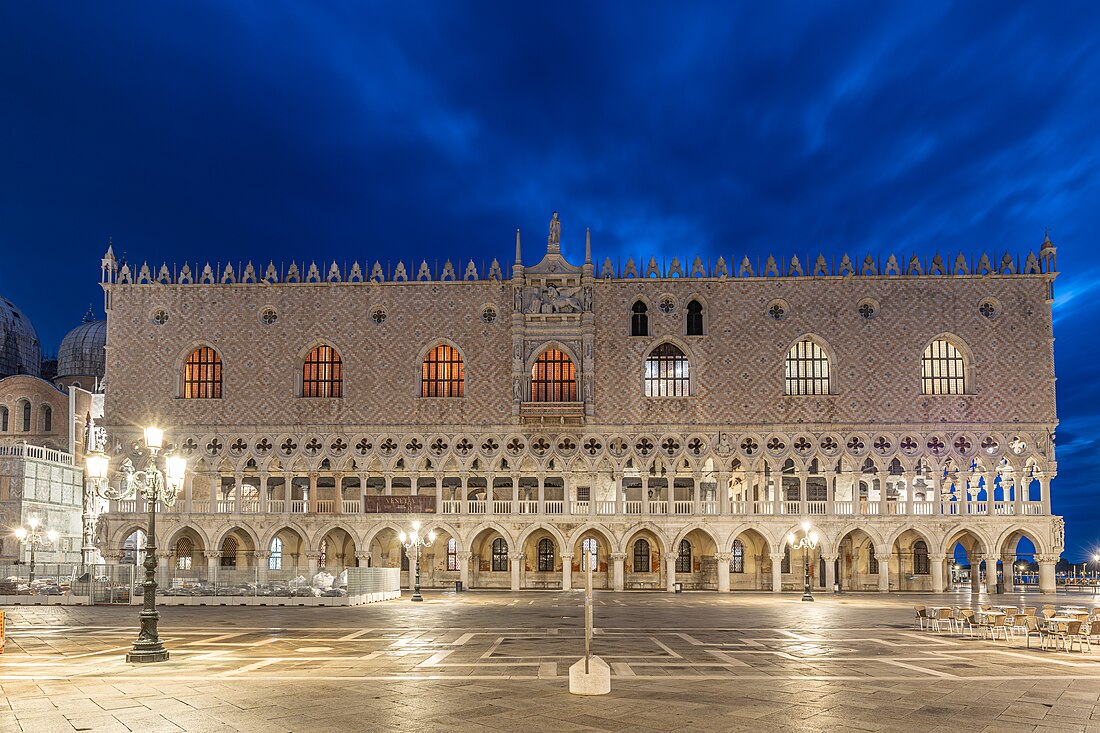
(360, 131)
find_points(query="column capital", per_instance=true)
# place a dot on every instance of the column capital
(883, 555)
(1046, 558)
(776, 556)
(362, 555)
(263, 554)
(465, 556)
(516, 556)
(618, 556)
(724, 557)
(938, 557)
(831, 556)
(567, 556)
(209, 554)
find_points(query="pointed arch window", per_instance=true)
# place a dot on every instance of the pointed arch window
(184, 548)
(872, 559)
(26, 426)
(443, 374)
(639, 319)
(500, 555)
(807, 369)
(229, 553)
(4, 419)
(694, 318)
(943, 369)
(275, 559)
(921, 565)
(641, 556)
(590, 554)
(553, 378)
(202, 374)
(683, 557)
(452, 554)
(666, 372)
(47, 419)
(323, 373)
(546, 555)
(737, 557)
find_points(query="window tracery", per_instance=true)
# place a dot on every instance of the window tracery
(442, 373)
(323, 373)
(807, 369)
(202, 374)
(553, 378)
(546, 555)
(641, 556)
(667, 372)
(499, 555)
(943, 369)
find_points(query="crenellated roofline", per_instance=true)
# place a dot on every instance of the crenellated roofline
(1043, 264)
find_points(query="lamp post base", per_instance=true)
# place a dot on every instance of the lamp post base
(807, 596)
(416, 596)
(141, 656)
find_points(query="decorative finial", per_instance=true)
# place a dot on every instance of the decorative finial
(519, 257)
(1047, 244)
(90, 315)
(553, 242)
(587, 246)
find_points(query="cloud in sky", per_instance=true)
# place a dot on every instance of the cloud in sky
(342, 131)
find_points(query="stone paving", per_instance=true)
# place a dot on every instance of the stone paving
(499, 661)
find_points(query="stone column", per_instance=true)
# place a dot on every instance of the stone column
(567, 571)
(566, 494)
(722, 493)
(937, 562)
(339, 479)
(617, 485)
(212, 562)
(363, 558)
(747, 492)
(991, 574)
(311, 507)
(975, 572)
(1047, 582)
(697, 494)
(881, 475)
(311, 563)
(1044, 491)
(670, 572)
(264, 498)
(910, 478)
(830, 491)
(617, 559)
(541, 506)
(777, 572)
(883, 557)
(215, 490)
(1017, 499)
(830, 571)
(262, 557)
(490, 496)
(516, 561)
(723, 559)
(777, 491)
(464, 559)
(1008, 570)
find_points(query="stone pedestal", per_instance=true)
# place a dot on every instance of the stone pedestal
(596, 682)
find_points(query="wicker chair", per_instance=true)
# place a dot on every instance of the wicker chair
(922, 616)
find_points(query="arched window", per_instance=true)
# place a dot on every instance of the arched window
(546, 555)
(323, 373)
(737, 557)
(452, 554)
(942, 369)
(872, 559)
(133, 549)
(921, 566)
(322, 560)
(202, 374)
(807, 369)
(275, 560)
(641, 556)
(4, 419)
(553, 378)
(184, 548)
(785, 565)
(26, 417)
(47, 419)
(229, 553)
(683, 558)
(639, 319)
(500, 555)
(694, 318)
(590, 554)
(442, 374)
(666, 372)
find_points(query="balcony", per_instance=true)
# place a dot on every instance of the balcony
(553, 413)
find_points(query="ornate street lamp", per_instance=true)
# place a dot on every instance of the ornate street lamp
(153, 485)
(36, 538)
(414, 541)
(806, 542)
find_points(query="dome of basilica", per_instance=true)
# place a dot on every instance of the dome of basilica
(81, 353)
(20, 350)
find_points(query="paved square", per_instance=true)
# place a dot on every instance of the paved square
(499, 661)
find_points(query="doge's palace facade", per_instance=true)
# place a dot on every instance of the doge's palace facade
(667, 422)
